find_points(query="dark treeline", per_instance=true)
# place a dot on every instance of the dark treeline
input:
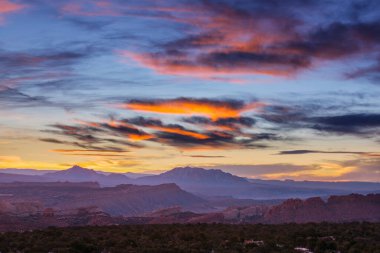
(318, 238)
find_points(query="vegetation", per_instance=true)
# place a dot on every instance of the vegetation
(318, 238)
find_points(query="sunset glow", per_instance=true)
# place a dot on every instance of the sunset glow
(260, 89)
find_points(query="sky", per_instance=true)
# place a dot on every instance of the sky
(263, 89)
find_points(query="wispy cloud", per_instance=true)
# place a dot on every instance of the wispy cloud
(7, 7)
(220, 127)
(258, 38)
(306, 151)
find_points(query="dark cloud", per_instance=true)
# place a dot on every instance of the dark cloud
(344, 114)
(52, 65)
(306, 151)
(371, 72)
(131, 131)
(16, 59)
(123, 129)
(348, 124)
(178, 135)
(207, 156)
(267, 37)
(84, 147)
(236, 122)
(221, 103)
(14, 98)
(325, 42)
(259, 60)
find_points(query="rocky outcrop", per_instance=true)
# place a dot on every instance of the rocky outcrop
(348, 208)
(86, 216)
(20, 208)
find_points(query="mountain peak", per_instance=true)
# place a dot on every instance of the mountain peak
(201, 175)
(78, 168)
(75, 171)
(80, 174)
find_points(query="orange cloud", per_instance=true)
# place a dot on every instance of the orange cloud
(140, 137)
(209, 108)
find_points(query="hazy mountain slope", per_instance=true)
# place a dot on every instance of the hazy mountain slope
(346, 186)
(9, 178)
(79, 174)
(127, 200)
(30, 172)
(206, 183)
(218, 183)
(193, 175)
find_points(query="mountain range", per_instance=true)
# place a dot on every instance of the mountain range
(149, 206)
(126, 200)
(202, 182)
(80, 196)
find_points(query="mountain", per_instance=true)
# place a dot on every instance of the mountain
(30, 172)
(8, 178)
(195, 176)
(337, 209)
(79, 174)
(344, 186)
(127, 200)
(201, 181)
(215, 182)
(35, 205)
(136, 175)
(205, 183)
(354, 207)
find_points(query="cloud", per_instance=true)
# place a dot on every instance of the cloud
(306, 151)
(335, 117)
(59, 58)
(211, 108)
(124, 129)
(227, 124)
(263, 37)
(361, 169)
(13, 98)
(42, 68)
(361, 124)
(7, 7)
(231, 133)
(207, 156)
(90, 8)
(178, 136)
(156, 124)
(107, 150)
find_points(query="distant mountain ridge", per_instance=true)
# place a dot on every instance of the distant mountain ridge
(194, 175)
(126, 200)
(79, 174)
(204, 182)
(153, 208)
